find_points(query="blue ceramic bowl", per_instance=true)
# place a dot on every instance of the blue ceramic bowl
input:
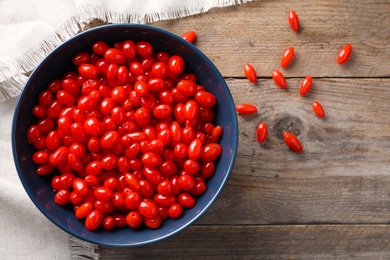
(58, 62)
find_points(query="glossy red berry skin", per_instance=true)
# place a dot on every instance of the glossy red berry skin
(344, 54)
(261, 132)
(293, 20)
(176, 64)
(189, 36)
(246, 109)
(318, 110)
(115, 56)
(250, 73)
(292, 141)
(287, 57)
(93, 220)
(279, 79)
(305, 85)
(175, 211)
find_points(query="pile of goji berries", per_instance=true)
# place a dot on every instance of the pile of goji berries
(128, 135)
(262, 130)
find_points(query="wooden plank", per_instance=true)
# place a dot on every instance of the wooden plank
(265, 242)
(258, 33)
(342, 176)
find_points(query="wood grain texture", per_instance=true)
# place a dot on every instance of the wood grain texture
(342, 176)
(258, 33)
(266, 242)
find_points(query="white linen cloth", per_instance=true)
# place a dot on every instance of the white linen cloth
(29, 30)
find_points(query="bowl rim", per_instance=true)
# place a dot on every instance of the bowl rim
(200, 213)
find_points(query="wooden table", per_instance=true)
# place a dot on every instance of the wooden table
(331, 201)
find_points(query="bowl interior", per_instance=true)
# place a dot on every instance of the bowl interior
(58, 62)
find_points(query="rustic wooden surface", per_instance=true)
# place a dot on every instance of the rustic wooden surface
(331, 201)
(266, 242)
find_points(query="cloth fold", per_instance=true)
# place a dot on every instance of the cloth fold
(25, 232)
(31, 29)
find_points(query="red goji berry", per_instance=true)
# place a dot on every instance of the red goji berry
(287, 57)
(305, 85)
(261, 132)
(292, 141)
(250, 72)
(246, 109)
(189, 36)
(344, 54)
(279, 79)
(293, 20)
(317, 108)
